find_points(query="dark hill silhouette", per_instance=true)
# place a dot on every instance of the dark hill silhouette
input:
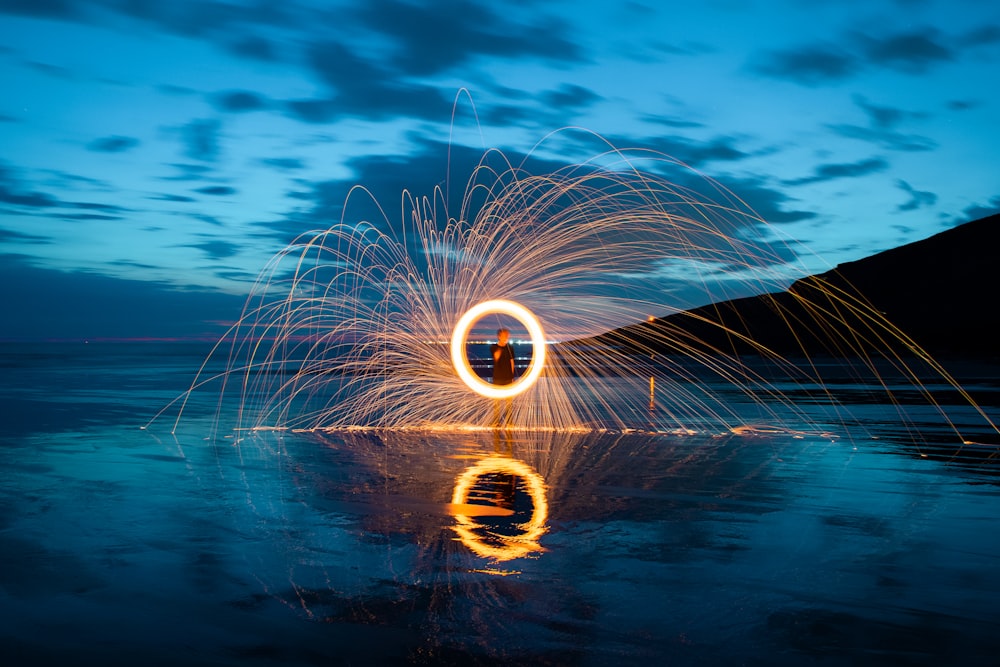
(938, 292)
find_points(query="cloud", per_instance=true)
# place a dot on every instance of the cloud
(913, 52)
(53, 71)
(216, 248)
(254, 47)
(12, 192)
(570, 97)
(283, 163)
(770, 204)
(979, 211)
(918, 198)
(885, 117)
(112, 144)
(686, 151)
(672, 121)
(808, 65)
(201, 139)
(11, 236)
(981, 36)
(40, 8)
(174, 198)
(15, 193)
(437, 36)
(81, 305)
(208, 18)
(365, 89)
(87, 216)
(829, 172)
(188, 172)
(880, 130)
(240, 101)
(217, 190)
(963, 105)
(890, 140)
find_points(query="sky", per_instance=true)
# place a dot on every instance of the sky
(156, 154)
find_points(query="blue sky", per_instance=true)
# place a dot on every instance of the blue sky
(156, 154)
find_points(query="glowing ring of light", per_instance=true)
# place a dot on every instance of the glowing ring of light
(515, 546)
(460, 359)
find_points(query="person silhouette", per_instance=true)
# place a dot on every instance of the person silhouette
(503, 374)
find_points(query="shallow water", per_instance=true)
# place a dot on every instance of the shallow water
(834, 546)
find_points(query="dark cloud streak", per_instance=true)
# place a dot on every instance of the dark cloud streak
(435, 37)
(918, 198)
(81, 305)
(913, 52)
(201, 139)
(829, 172)
(240, 101)
(113, 144)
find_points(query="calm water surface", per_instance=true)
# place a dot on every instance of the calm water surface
(822, 545)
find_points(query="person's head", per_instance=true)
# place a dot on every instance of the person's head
(502, 336)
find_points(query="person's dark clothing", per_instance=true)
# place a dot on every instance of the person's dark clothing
(503, 372)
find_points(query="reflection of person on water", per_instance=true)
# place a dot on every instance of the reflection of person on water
(503, 373)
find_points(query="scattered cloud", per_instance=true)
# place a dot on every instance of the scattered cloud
(217, 248)
(254, 47)
(283, 163)
(364, 88)
(11, 236)
(201, 139)
(240, 101)
(113, 144)
(829, 172)
(40, 8)
(173, 198)
(885, 117)
(188, 172)
(809, 65)
(53, 71)
(913, 51)
(570, 97)
(918, 198)
(217, 190)
(673, 121)
(981, 36)
(963, 105)
(888, 139)
(82, 305)
(978, 211)
(435, 37)
(14, 193)
(87, 216)
(881, 128)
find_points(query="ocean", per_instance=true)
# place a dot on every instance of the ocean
(865, 541)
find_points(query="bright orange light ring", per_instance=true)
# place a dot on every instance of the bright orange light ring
(513, 547)
(460, 359)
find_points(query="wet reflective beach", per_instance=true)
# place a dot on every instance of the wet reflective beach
(812, 543)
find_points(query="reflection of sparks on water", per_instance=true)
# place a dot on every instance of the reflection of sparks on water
(500, 547)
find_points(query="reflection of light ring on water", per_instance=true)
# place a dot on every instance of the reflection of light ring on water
(514, 546)
(460, 358)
